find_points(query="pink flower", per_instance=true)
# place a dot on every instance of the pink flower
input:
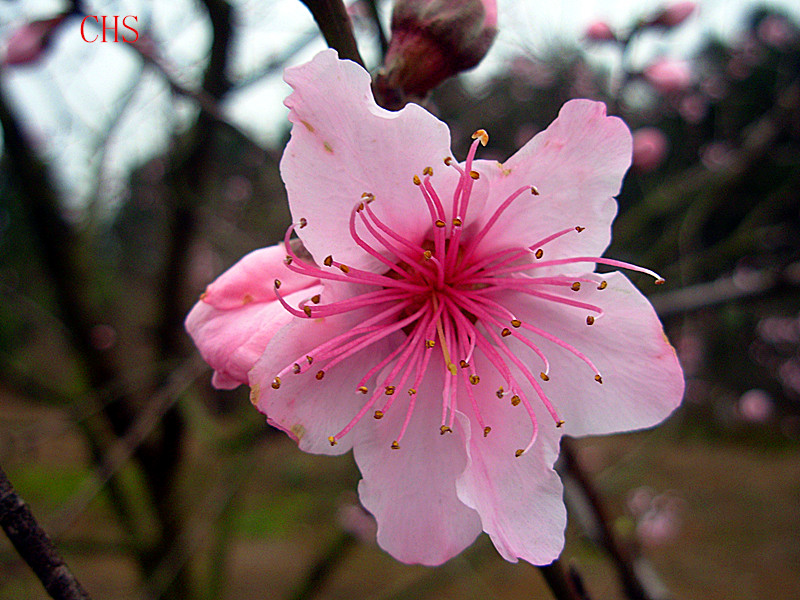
(447, 325)
(674, 14)
(28, 43)
(668, 76)
(599, 31)
(650, 147)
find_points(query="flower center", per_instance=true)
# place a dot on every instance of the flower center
(444, 299)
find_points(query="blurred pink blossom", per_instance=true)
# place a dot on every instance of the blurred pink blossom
(693, 108)
(668, 75)
(674, 14)
(776, 31)
(650, 147)
(599, 31)
(28, 43)
(756, 406)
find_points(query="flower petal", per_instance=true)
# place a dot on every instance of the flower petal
(642, 378)
(577, 165)
(312, 409)
(252, 279)
(411, 491)
(231, 340)
(343, 144)
(519, 499)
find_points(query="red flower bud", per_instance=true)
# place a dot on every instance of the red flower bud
(28, 43)
(436, 39)
(673, 15)
(599, 31)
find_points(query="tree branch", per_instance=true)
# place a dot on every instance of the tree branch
(334, 23)
(35, 546)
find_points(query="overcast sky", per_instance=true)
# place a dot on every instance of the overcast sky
(69, 98)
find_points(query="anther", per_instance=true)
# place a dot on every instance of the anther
(310, 359)
(277, 284)
(295, 368)
(316, 298)
(430, 343)
(395, 445)
(411, 391)
(368, 196)
(474, 379)
(448, 160)
(534, 190)
(544, 376)
(463, 364)
(659, 281)
(288, 260)
(539, 253)
(515, 400)
(445, 429)
(332, 440)
(378, 414)
(590, 320)
(474, 174)
(427, 255)
(328, 261)
(320, 374)
(559, 423)
(486, 431)
(576, 286)
(303, 222)
(417, 180)
(389, 390)
(482, 136)
(506, 332)
(360, 207)
(427, 171)
(516, 323)
(439, 223)
(500, 392)
(362, 388)
(344, 268)
(307, 310)
(276, 383)
(603, 285)
(598, 379)
(457, 222)
(579, 228)
(519, 452)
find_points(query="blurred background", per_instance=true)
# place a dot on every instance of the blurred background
(134, 173)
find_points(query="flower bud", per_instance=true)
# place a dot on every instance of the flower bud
(673, 15)
(650, 147)
(28, 43)
(599, 31)
(669, 76)
(436, 39)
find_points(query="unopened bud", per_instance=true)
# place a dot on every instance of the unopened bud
(599, 31)
(436, 39)
(673, 15)
(28, 43)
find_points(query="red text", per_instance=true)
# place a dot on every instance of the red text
(108, 24)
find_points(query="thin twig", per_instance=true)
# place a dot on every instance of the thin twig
(35, 546)
(124, 448)
(562, 585)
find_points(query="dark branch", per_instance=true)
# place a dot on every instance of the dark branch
(35, 546)
(334, 23)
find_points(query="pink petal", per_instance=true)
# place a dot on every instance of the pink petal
(411, 491)
(577, 165)
(519, 499)
(312, 409)
(252, 279)
(232, 340)
(343, 145)
(642, 379)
